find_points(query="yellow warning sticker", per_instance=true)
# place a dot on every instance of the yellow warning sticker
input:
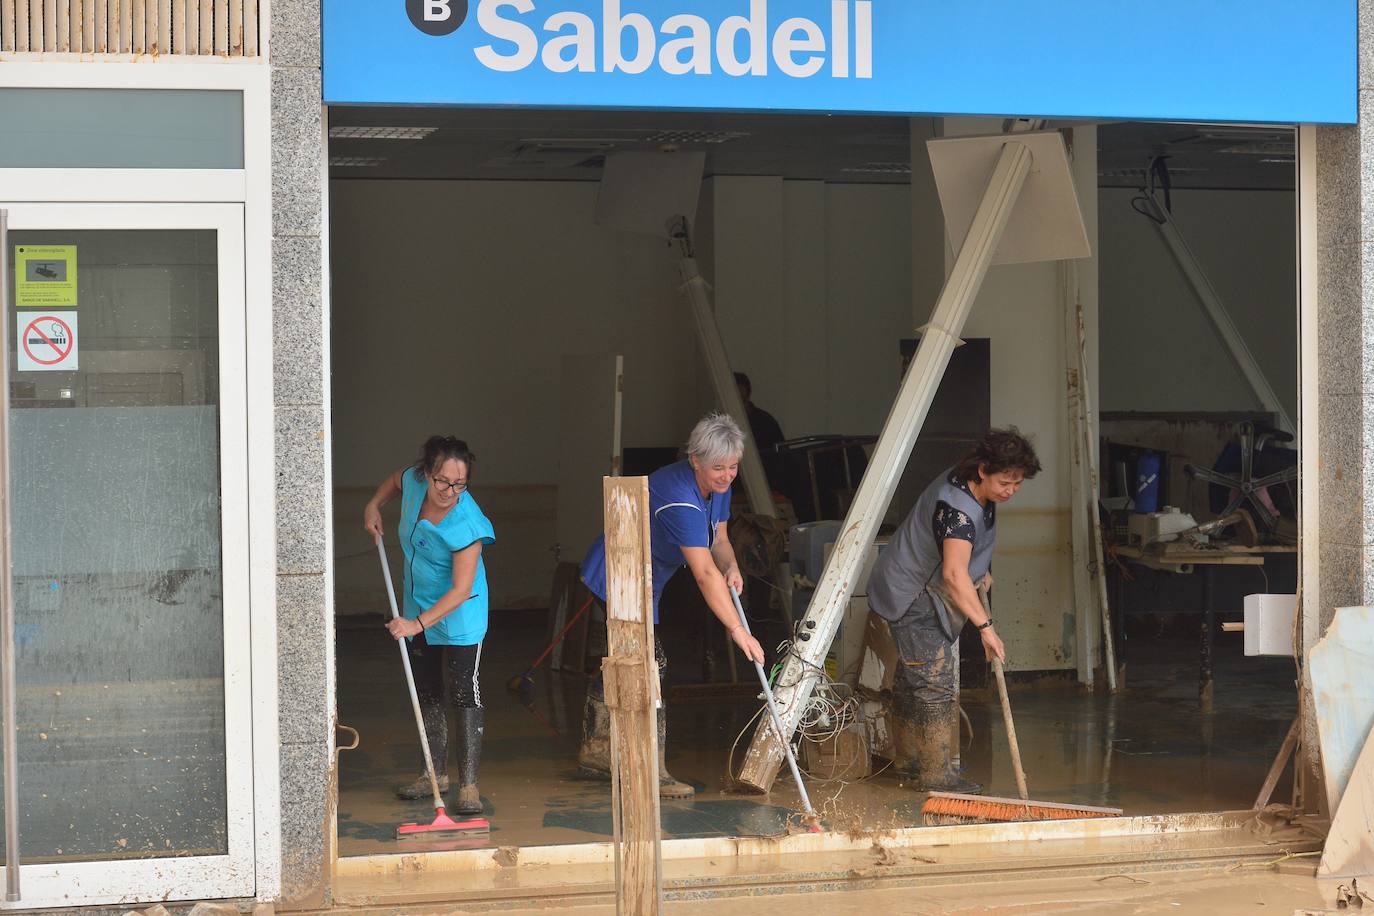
(44, 276)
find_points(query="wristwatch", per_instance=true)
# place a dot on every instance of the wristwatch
(984, 626)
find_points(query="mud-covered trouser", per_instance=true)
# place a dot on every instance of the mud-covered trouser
(428, 663)
(927, 662)
(924, 717)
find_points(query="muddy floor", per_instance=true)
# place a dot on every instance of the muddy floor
(1121, 895)
(1148, 750)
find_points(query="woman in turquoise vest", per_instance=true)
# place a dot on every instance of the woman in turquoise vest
(442, 533)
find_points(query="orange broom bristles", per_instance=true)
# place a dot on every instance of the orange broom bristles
(953, 808)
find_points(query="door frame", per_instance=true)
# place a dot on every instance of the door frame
(71, 883)
(251, 187)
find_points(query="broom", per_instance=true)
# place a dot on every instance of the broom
(442, 823)
(956, 808)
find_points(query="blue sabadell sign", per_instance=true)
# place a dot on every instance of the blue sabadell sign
(1273, 61)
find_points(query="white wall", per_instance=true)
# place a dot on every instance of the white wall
(813, 290)
(1160, 351)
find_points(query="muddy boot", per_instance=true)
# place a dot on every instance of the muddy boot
(594, 757)
(420, 788)
(470, 728)
(668, 787)
(930, 737)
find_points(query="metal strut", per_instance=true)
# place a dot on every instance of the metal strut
(894, 445)
(1216, 311)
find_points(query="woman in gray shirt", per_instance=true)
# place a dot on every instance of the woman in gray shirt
(924, 586)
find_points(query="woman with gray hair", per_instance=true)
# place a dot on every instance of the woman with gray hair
(689, 506)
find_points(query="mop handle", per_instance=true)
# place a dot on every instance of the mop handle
(1007, 720)
(773, 712)
(410, 681)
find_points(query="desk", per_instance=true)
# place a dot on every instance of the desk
(1184, 559)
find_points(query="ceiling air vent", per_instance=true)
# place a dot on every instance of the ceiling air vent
(880, 168)
(356, 162)
(690, 137)
(380, 133)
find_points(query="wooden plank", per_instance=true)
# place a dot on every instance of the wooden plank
(1276, 768)
(102, 26)
(206, 41)
(235, 28)
(35, 25)
(151, 26)
(21, 25)
(48, 38)
(192, 45)
(6, 25)
(631, 681)
(178, 45)
(251, 28)
(221, 27)
(126, 26)
(164, 27)
(1086, 612)
(88, 21)
(138, 43)
(64, 26)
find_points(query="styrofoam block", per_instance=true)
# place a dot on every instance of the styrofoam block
(1269, 624)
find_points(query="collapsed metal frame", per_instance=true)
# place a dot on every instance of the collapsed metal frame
(993, 212)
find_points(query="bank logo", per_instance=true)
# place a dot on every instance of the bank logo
(437, 17)
(518, 35)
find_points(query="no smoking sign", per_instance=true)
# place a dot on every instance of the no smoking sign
(47, 342)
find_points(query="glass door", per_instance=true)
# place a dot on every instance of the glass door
(128, 494)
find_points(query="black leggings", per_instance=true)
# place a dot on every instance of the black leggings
(427, 663)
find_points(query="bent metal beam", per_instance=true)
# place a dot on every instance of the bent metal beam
(995, 209)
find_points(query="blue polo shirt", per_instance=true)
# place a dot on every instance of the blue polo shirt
(679, 516)
(429, 550)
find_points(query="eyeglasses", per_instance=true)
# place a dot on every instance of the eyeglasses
(443, 486)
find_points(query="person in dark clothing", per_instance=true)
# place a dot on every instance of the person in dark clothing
(765, 430)
(925, 585)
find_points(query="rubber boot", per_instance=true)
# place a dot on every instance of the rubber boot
(594, 757)
(420, 788)
(934, 726)
(470, 728)
(668, 787)
(922, 744)
(436, 729)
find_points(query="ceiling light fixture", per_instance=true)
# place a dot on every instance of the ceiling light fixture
(1264, 148)
(881, 168)
(380, 133)
(696, 136)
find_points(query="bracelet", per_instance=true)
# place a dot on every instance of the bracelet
(984, 626)
(421, 621)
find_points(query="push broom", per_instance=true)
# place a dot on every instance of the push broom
(957, 808)
(442, 824)
(811, 818)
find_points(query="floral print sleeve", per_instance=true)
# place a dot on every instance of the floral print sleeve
(949, 522)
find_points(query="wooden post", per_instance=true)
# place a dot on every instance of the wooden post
(630, 674)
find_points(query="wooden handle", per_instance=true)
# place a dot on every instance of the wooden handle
(1001, 677)
(1011, 729)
